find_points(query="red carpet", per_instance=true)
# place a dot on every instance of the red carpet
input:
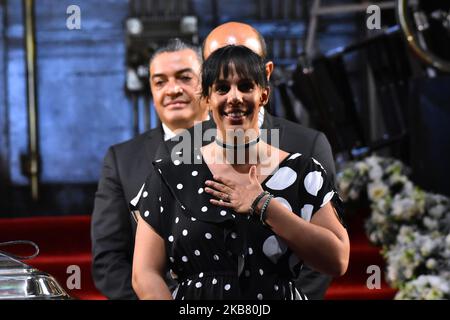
(65, 241)
(353, 285)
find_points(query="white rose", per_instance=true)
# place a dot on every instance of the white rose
(431, 263)
(427, 247)
(406, 234)
(361, 167)
(376, 173)
(438, 283)
(404, 208)
(398, 208)
(382, 205)
(409, 272)
(421, 282)
(431, 224)
(372, 161)
(437, 211)
(377, 190)
(378, 218)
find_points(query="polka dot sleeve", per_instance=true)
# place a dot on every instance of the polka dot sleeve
(316, 190)
(149, 204)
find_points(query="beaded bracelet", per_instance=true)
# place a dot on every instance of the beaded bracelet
(256, 201)
(262, 215)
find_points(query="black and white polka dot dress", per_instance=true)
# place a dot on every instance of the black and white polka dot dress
(215, 253)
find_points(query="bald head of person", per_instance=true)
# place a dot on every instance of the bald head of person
(236, 33)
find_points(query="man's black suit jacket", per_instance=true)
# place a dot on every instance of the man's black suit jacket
(125, 168)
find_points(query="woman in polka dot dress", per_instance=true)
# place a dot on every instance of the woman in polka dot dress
(240, 218)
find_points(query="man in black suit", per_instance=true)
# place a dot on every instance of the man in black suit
(175, 84)
(293, 137)
(126, 166)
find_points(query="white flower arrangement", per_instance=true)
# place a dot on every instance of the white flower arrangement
(412, 226)
(413, 253)
(425, 287)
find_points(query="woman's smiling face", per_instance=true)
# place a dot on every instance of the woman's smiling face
(235, 102)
